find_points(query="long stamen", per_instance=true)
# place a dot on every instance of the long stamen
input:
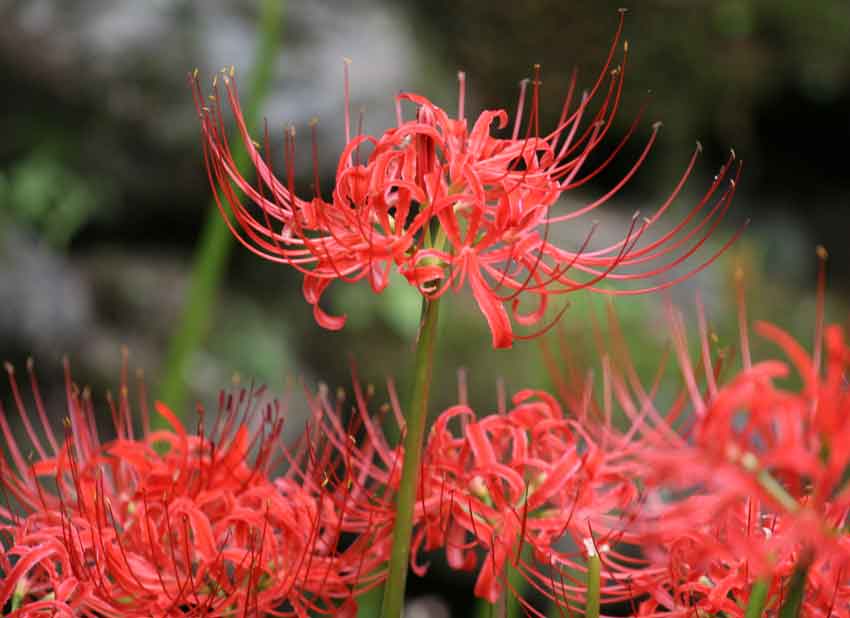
(314, 151)
(346, 63)
(461, 96)
(520, 105)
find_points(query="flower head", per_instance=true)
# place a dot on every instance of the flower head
(172, 522)
(746, 477)
(445, 202)
(520, 489)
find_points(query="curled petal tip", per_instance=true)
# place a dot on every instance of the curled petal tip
(328, 321)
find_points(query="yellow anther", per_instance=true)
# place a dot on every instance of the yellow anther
(749, 462)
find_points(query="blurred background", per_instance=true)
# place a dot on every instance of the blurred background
(103, 193)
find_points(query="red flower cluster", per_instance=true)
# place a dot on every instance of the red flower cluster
(736, 497)
(526, 488)
(445, 204)
(174, 524)
(750, 494)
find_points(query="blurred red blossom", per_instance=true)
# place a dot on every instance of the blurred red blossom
(177, 523)
(445, 204)
(745, 477)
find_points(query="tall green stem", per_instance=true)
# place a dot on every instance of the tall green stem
(796, 589)
(758, 598)
(594, 572)
(215, 245)
(417, 413)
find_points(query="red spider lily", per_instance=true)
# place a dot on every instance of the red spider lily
(714, 564)
(173, 523)
(746, 478)
(487, 200)
(519, 485)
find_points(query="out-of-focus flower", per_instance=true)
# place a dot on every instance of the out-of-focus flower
(171, 523)
(445, 204)
(526, 489)
(746, 479)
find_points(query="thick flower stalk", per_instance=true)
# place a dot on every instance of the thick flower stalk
(446, 201)
(173, 523)
(746, 478)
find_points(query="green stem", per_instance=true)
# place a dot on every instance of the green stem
(793, 602)
(758, 599)
(214, 248)
(417, 413)
(485, 609)
(594, 571)
(369, 603)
